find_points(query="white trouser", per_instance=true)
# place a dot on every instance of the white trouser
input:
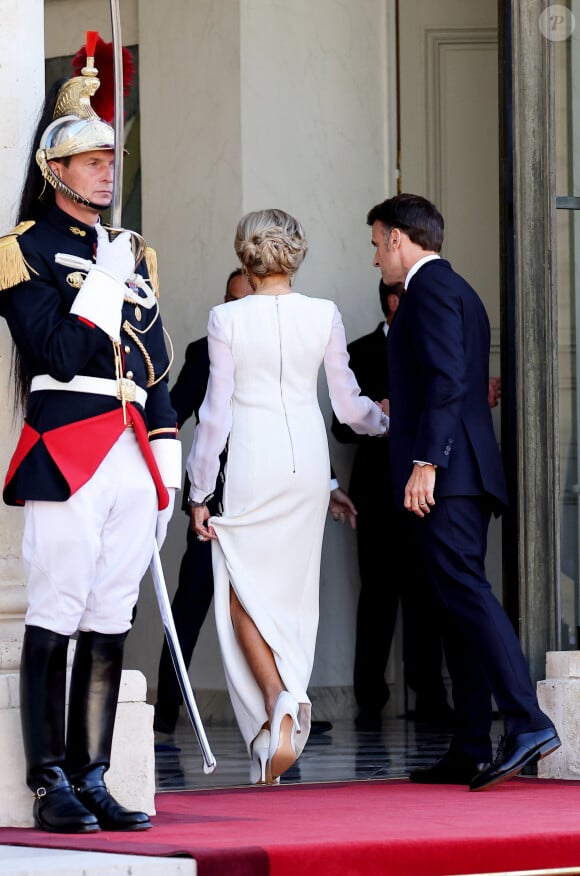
(84, 558)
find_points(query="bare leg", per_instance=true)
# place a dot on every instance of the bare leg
(282, 751)
(257, 653)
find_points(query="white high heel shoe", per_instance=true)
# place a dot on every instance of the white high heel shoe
(259, 767)
(283, 728)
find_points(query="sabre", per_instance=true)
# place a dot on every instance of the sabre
(137, 242)
(117, 202)
(209, 761)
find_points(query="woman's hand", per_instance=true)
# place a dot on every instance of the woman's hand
(198, 518)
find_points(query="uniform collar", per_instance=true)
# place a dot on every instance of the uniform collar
(71, 226)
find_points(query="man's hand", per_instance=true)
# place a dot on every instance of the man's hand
(342, 508)
(494, 391)
(419, 490)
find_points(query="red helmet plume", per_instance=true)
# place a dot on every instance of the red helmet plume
(103, 102)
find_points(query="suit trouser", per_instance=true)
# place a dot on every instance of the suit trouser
(385, 542)
(189, 608)
(484, 656)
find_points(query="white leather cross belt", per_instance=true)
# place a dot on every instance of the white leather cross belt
(82, 383)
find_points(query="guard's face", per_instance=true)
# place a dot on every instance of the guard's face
(387, 254)
(90, 175)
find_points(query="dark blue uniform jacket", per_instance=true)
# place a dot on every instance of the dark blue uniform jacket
(53, 341)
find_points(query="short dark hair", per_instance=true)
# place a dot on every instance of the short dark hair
(237, 272)
(385, 291)
(413, 214)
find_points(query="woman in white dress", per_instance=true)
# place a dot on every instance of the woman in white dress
(265, 354)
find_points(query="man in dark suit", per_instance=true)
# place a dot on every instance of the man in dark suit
(384, 541)
(447, 472)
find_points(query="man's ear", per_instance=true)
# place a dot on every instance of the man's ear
(55, 166)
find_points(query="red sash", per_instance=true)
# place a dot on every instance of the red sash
(78, 448)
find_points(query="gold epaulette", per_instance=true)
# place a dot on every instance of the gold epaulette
(151, 262)
(14, 268)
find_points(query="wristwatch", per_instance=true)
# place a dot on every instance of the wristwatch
(193, 504)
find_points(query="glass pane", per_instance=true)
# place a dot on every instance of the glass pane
(567, 125)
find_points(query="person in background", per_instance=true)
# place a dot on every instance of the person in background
(390, 572)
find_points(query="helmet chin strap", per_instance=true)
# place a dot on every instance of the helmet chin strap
(60, 186)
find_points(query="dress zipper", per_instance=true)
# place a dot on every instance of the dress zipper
(281, 391)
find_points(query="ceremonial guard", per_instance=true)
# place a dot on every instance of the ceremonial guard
(97, 462)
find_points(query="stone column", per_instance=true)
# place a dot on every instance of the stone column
(21, 97)
(530, 425)
(559, 697)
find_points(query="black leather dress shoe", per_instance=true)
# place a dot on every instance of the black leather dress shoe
(452, 769)
(514, 753)
(94, 795)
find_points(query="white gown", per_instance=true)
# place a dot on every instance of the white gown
(265, 355)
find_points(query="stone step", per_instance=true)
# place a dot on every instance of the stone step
(22, 861)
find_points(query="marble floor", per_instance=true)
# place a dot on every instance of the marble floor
(341, 754)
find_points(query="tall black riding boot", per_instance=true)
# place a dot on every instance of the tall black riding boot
(94, 690)
(42, 698)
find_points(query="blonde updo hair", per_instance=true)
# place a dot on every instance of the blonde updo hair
(270, 242)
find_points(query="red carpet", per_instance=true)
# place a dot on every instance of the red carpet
(391, 828)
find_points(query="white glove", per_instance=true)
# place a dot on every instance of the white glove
(163, 518)
(115, 257)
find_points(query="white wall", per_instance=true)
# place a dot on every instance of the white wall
(21, 95)
(314, 101)
(281, 104)
(246, 104)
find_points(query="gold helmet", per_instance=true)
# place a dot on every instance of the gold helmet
(76, 127)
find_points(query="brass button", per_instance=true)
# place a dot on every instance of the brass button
(129, 375)
(127, 349)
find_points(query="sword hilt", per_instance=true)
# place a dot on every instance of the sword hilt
(138, 244)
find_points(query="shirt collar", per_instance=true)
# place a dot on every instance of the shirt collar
(419, 264)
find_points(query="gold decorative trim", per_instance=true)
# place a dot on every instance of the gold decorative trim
(14, 268)
(151, 262)
(169, 430)
(127, 327)
(171, 356)
(76, 279)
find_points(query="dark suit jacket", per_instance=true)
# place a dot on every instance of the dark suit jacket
(438, 356)
(189, 389)
(370, 476)
(186, 395)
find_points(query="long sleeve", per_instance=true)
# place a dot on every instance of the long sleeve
(215, 415)
(358, 411)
